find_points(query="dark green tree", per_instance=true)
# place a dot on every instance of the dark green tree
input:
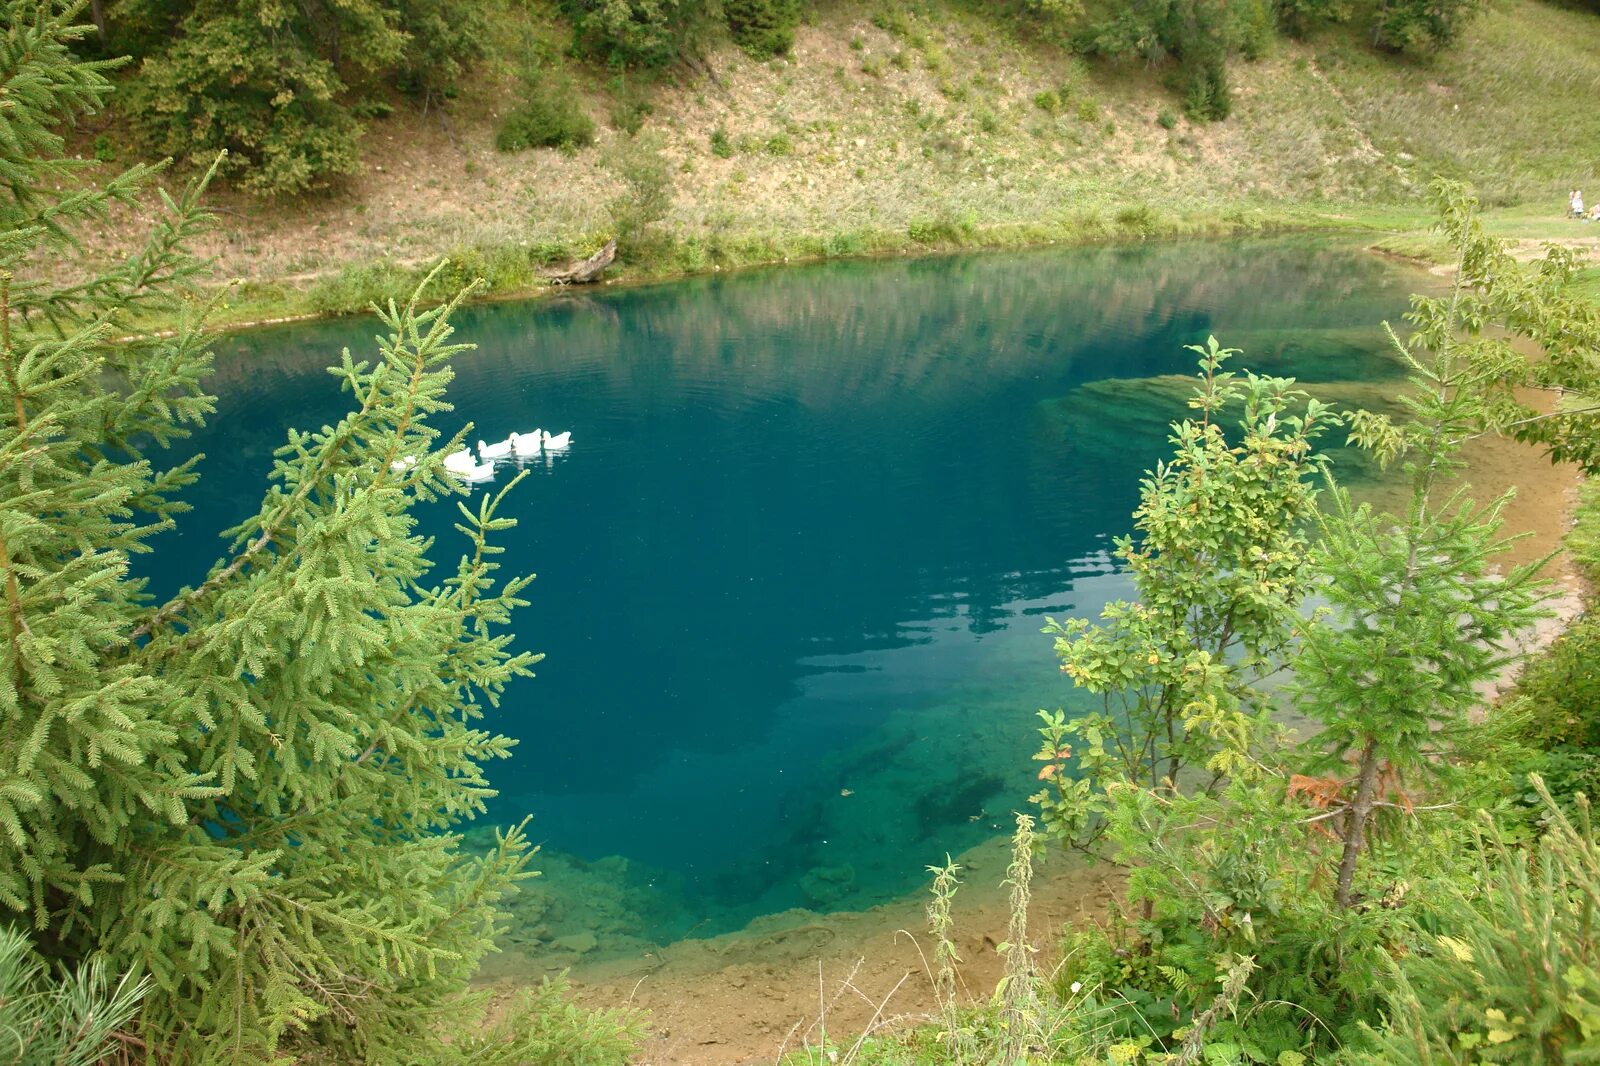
(1198, 37)
(764, 28)
(626, 34)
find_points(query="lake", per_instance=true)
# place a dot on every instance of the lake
(793, 570)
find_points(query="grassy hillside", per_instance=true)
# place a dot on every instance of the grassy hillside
(928, 125)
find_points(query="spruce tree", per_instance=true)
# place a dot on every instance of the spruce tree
(247, 791)
(1425, 613)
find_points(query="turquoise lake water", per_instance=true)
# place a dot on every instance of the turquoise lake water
(792, 572)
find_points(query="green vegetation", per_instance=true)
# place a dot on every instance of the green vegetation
(248, 793)
(1395, 887)
(71, 1021)
(764, 28)
(648, 34)
(283, 90)
(545, 119)
(248, 797)
(1552, 705)
(1330, 132)
(292, 94)
(1516, 978)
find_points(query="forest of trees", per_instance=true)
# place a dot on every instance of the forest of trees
(287, 90)
(229, 820)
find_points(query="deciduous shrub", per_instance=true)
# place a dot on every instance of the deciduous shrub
(646, 194)
(229, 83)
(635, 33)
(280, 87)
(550, 116)
(1421, 25)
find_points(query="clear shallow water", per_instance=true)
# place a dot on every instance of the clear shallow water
(792, 572)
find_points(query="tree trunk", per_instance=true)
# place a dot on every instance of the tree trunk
(97, 15)
(589, 270)
(1355, 831)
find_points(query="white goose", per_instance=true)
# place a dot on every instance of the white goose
(498, 450)
(463, 467)
(555, 442)
(525, 445)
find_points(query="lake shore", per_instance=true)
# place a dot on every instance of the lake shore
(251, 302)
(789, 979)
(1400, 232)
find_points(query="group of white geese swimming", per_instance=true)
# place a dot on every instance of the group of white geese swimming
(520, 447)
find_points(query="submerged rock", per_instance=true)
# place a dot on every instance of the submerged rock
(826, 885)
(580, 943)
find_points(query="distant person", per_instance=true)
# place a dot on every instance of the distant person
(1577, 203)
(1594, 214)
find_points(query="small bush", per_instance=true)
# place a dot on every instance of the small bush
(1138, 218)
(645, 199)
(355, 288)
(1256, 28)
(892, 21)
(1207, 96)
(630, 107)
(1514, 974)
(1167, 120)
(872, 67)
(1047, 101)
(545, 253)
(1088, 111)
(548, 118)
(763, 28)
(779, 144)
(844, 243)
(721, 145)
(543, 1024)
(946, 229)
(634, 33)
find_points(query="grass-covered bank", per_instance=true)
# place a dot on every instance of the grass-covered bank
(516, 271)
(1527, 231)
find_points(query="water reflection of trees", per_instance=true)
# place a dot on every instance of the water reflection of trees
(877, 327)
(789, 464)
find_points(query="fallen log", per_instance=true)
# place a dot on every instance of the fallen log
(587, 271)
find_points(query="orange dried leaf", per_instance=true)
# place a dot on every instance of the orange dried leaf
(1320, 792)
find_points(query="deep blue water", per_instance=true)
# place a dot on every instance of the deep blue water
(804, 541)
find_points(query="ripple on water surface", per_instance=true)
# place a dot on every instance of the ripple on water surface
(792, 572)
